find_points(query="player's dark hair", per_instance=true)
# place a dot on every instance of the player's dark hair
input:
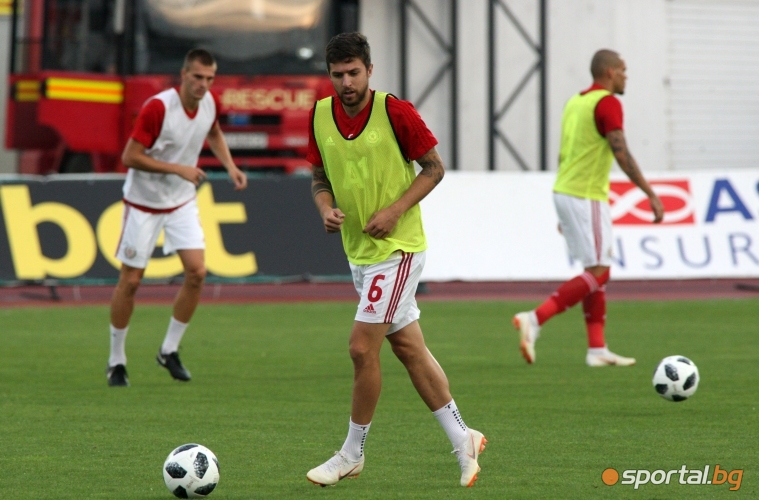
(201, 55)
(603, 60)
(346, 46)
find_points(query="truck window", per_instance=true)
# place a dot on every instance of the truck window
(247, 37)
(78, 36)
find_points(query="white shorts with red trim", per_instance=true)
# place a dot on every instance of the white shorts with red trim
(388, 290)
(586, 226)
(140, 231)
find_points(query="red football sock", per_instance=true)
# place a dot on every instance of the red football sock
(568, 294)
(594, 306)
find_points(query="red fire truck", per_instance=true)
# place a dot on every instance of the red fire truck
(82, 69)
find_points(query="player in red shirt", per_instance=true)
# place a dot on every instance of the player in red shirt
(159, 194)
(361, 147)
(580, 196)
(414, 138)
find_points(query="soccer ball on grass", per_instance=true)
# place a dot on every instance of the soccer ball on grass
(676, 378)
(191, 471)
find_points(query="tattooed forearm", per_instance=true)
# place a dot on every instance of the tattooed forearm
(617, 142)
(321, 187)
(320, 183)
(624, 158)
(432, 166)
(632, 170)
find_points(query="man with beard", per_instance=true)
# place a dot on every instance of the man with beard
(362, 148)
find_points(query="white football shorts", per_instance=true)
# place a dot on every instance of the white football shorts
(388, 290)
(586, 226)
(140, 231)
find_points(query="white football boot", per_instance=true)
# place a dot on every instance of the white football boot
(607, 358)
(468, 452)
(529, 331)
(335, 469)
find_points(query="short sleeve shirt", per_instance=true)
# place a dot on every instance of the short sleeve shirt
(148, 125)
(608, 114)
(414, 138)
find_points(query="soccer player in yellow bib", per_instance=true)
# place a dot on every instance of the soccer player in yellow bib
(363, 145)
(591, 138)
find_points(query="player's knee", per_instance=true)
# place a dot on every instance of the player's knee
(601, 274)
(130, 286)
(404, 352)
(604, 277)
(357, 351)
(130, 282)
(360, 353)
(196, 276)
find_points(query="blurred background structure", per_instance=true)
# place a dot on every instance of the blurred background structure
(490, 78)
(489, 68)
(691, 100)
(81, 70)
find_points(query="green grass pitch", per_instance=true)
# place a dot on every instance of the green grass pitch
(270, 396)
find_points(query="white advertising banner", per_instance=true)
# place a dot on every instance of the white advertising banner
(502, 226)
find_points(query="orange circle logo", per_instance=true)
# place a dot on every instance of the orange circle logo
(610, 477)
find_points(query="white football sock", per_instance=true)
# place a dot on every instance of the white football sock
(173, 336)
(598, 351)
(118, 346)
(535, 325)
(454, 426)
(354, 443)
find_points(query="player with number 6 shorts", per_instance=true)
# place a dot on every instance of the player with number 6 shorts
(362, 147)
(388, 289)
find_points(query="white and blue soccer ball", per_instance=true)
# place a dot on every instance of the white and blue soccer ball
(191, 471)
(676, 378)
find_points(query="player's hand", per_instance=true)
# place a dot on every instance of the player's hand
(333, 220)
(382, 223)
(657, 208)
(192, 174)
(239, 178)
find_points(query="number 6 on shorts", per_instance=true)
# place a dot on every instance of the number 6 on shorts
(375, 292)
(388, 289)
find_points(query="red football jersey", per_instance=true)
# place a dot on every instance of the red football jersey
(414, 138)
(148, 125)
(608, 112)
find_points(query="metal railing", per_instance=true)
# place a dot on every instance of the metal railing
(449, 66)
(497, 111)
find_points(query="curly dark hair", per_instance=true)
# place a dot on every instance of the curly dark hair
(347, 46)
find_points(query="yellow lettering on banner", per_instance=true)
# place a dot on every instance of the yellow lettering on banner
(163, 267)
(218, 260)
(6, 7)
(21, 221)
(109, 232)
(212, 214)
